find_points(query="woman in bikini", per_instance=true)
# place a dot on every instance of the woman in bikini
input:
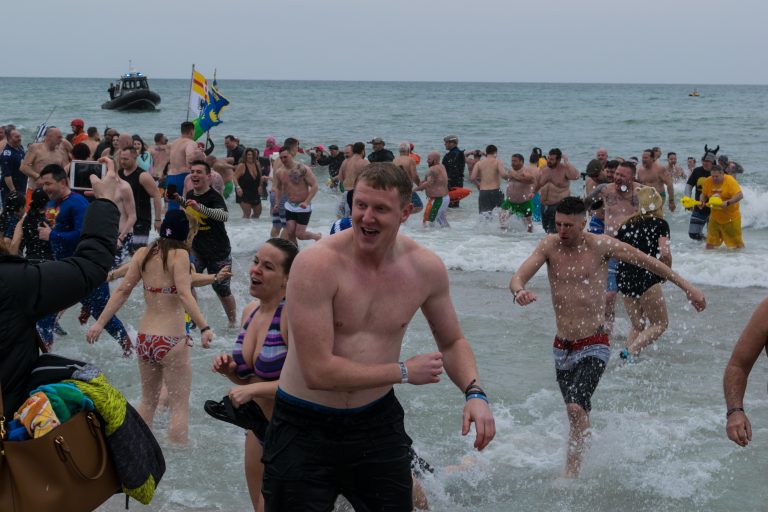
(259, 352)
(162, 343)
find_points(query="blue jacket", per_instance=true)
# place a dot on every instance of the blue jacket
(66, 219)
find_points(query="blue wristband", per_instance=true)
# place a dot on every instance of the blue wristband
(477, 395)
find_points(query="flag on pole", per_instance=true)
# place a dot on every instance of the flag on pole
(198, 97)
(41, 132)
(209, 117)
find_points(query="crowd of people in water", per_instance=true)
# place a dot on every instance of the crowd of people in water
(313, 366)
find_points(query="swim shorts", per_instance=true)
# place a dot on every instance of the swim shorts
(596, 225)
(696, 226)
(313, 453)
(728, 233)
(213, 266)
(294, 212)
(579, 383)
(520, 209)
(178, 180)
(278, 219)
(416, 200)
(489, 199)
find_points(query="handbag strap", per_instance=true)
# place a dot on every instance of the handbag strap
(66, 454)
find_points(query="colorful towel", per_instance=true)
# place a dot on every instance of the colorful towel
(37, 415)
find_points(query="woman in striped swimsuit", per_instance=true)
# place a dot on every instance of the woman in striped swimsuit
(257, 358)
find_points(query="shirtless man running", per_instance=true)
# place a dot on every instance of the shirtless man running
(577, 264)
(435, 186)
(554, 184)
(336, 416)
(53, 150)
(348, 172)
(652, 174)
(299, 185)
(408, 164)
(182, 152)
(519, 193)
(487, 175)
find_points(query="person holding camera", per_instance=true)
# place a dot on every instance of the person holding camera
(26, 295)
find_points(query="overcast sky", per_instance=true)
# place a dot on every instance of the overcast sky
(650, 41)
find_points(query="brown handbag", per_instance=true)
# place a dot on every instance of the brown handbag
(69, 468)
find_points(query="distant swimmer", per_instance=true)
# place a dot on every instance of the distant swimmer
(336, 413)
(554, 184)
(408, 164)
(182, 152)
(724, 222)
(651, 174)
(675, 171)
(620, 201)
(699, 216)
(601, 155)
(752, 342)
(577, 265)
(487, 175)
(435, 186)
(519, 193)
(53, 150)
(299, 185)
(350, 168)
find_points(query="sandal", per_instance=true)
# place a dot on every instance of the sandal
(248, 416)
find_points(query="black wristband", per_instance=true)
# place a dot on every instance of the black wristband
(733, 410)
(206, 328)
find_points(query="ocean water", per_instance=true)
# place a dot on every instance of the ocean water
(658, 440)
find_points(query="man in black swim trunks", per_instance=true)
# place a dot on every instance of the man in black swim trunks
(337, 427)
(577, 264)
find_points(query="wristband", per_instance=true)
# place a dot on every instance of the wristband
(403, 373)
(733, 410)
(477, 395)
(206, 328)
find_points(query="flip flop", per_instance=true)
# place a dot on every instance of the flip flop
(248, 416)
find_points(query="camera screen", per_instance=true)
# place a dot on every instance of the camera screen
(82, 171)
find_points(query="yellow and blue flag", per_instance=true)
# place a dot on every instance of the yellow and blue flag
(209, 117)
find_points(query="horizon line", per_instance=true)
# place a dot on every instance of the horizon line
(402, 81)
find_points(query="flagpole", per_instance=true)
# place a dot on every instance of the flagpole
(191, 81)
(45, 123)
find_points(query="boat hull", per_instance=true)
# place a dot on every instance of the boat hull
(135, 101)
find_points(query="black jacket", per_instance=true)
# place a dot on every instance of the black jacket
(30, 291)
(333, 163)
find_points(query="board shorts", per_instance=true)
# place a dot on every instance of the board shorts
(436, 210)
(490, 199)
(178, 180)
(213, 266)
(596, 225)
(696, 225)
(728, 233)
(524, 209)
(297, 214)
(416, 200)
(579, 364)
(313, 453)
(278, 219)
